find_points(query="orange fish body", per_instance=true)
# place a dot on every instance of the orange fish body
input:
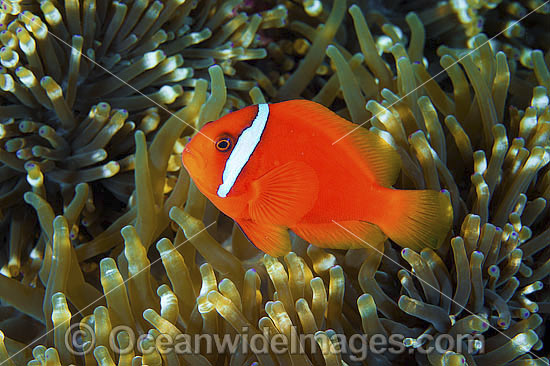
(274, 167)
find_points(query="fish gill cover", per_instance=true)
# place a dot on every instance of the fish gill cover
(106, 242)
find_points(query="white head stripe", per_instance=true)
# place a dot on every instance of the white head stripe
(246, 144)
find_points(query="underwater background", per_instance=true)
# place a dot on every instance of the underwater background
(106, 242)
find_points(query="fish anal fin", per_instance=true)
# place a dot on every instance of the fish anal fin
(270, 239)
(284, 194)
(342, 235)
(374, 154)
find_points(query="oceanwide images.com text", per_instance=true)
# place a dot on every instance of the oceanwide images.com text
(356, 347)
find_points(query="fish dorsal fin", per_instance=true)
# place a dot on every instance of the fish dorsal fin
(373, 153)
(270, 239)
(284, 194)
(342, 235)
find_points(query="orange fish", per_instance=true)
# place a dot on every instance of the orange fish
(274, 167)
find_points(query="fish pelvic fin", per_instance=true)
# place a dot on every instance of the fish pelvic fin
(270, 239)
(417, 219)
(342, 235)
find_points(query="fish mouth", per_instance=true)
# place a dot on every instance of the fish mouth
(187, 150)
(194, 163)
(187, 156)
(191, 160)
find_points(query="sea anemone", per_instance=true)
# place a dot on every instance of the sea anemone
(79, 79)
(466, 118)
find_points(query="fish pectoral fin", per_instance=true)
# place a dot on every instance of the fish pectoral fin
(342, 235)
(284, 195)
(270, 239)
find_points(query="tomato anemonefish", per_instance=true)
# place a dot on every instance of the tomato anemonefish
(274, 167)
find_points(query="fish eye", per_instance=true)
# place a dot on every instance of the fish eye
(223, 144)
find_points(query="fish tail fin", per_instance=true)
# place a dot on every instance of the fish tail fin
(417, 219)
